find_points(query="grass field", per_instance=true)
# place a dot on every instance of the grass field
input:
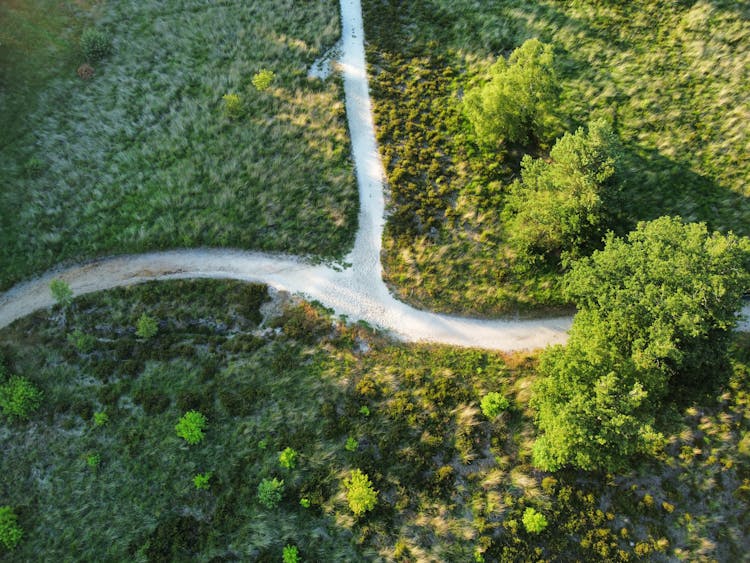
(142, 156)
(671, 78)
(452, 485)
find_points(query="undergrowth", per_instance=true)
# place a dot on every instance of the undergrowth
(452, 484)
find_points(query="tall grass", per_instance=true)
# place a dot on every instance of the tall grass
(143, 157)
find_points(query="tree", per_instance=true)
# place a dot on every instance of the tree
(288, 458)
(517, 101)
(534, 521)
(656, 311)
(360, 493)
(19, 397)
(147, 327)
(561, 205)
(270, 492)
(190, 427)
(493, 403)
(10, 532)
(61, 292)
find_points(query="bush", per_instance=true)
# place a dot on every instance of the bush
(82, 342)
(201, 480)
(534, 521)
(93, 461)
(360, 493)
(147, 327)
(351, 444)
(288, 458)
(61, 292)
(290, 554)
(493, 403)
(270, 491)
(10, 532)
(95, 44)
(100, 419)
(262, 80)
(19, 398)
(190, 427)
(232, 105)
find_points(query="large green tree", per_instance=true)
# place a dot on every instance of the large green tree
(656, 311)
(516, 103)
(561, 204)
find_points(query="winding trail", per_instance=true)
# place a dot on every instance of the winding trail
(357, 292)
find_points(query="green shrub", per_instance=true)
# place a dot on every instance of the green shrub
(83, 342)
(290, 554)
(100, 419)
(201, 480)
(493, 403)
(19, 397)
(190, 427)
(262, 80)
(232, 105)
(360, 493)
(305, 502)
(351, 444)
(270, 491)
(93, 461)
(61, 292)
(288, 458)
(95, 44)
(534, 521)
(147, 327)
(364, 410)
(10, 532)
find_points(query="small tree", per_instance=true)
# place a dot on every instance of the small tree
(146, 327)
(61, 292)
(493, 403)
(190, 427)
(10, 532)
(262, 80)
(95, 44)
(288, 458)
(19, 397)
(270, 492)
(534, 521)
(201, 481)
(232, 105)
(517, 102)
(290, 554)
(360, 492)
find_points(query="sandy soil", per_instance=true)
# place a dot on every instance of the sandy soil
(356, 291)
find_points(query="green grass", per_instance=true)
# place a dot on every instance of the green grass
(670, 77)
(450, 482)
(142, 156)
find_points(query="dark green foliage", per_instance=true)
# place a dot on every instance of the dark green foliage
(83, 342)
(19, 397)
(517, 102)
(95, 44)
(10, 532)
(270, 492)
(656, 311)
(561, 205)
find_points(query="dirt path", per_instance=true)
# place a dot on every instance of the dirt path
(357, 292)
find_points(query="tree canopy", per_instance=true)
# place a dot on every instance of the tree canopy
(561, 204)
(656, 310)
(516, 103)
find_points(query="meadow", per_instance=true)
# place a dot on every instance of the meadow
(670, 77)
(148, 154)
(98, 472)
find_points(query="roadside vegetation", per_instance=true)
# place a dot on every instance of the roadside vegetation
(472, 98)
(129, 126)
(321, 441)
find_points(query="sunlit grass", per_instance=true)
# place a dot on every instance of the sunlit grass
(142, 156)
